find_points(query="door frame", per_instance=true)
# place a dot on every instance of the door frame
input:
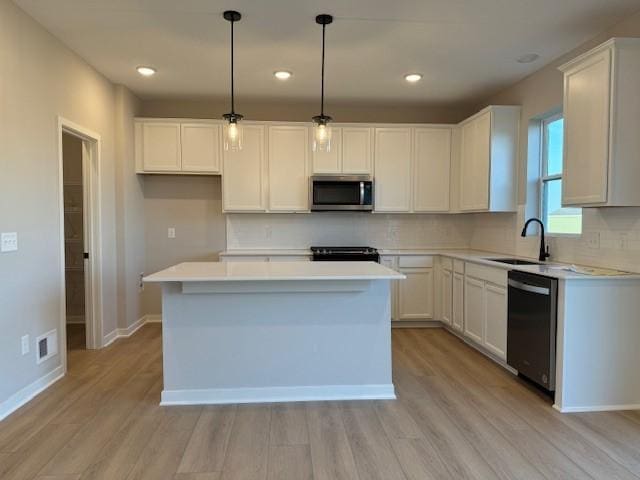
(92, 222)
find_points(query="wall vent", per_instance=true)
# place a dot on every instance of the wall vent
(47, 346)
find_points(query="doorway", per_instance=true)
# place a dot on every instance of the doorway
(74, 245)
(79, 200)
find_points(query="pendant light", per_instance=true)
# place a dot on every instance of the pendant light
(233, 129)
(322, 127)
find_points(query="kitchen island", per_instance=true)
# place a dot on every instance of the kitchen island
(239, 332)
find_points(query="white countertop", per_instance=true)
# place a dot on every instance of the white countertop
(273, 271)
(549, 269)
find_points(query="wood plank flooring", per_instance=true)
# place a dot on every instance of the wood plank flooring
(458, 416)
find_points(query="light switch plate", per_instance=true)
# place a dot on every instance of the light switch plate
(25, 344)
(9, 242)
(171, 232)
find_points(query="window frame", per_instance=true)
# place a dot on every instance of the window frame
(544, 177)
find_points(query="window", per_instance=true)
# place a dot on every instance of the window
(558, 220)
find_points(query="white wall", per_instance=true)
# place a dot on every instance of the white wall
(40, 79)
(618, 229)
(376, 230)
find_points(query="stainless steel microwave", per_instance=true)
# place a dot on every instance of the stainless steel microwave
(341, 192)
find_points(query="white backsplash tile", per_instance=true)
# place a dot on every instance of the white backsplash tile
(290, 231)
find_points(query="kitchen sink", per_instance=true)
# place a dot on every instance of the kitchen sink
(513, 261)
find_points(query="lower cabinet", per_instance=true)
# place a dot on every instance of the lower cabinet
(485, 313)
(446, 292)
(457, 302)
(411, 298)
(473, 308)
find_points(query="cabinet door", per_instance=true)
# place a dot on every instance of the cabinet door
(242, 182)
(446, 293)
(161, 147)
(200, 147)
(393, 169)
(495, 329)
(457, 302)
(586, 131)
(473, 308)
(331, 161)
(475, 163)
(288, 174)
(432, 164)
(415, 294)
(390, 262)
(356, 150)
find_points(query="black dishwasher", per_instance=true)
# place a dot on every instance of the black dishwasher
(531, 327)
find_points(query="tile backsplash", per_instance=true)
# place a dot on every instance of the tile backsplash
(291, 231)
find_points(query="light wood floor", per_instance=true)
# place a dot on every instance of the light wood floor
(458, 416)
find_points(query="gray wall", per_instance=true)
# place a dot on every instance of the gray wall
(41, 80)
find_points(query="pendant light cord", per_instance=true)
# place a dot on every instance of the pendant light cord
(324, 26)
(232, 86)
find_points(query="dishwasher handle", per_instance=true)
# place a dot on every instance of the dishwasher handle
(529, 288)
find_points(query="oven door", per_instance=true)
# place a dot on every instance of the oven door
(341, 193)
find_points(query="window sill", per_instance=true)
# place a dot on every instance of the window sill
(562, 235)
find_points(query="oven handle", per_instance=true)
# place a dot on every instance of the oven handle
(361, 193)
(528, 288)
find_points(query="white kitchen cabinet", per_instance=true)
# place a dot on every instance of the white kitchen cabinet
(485, 300)
(357, 150)
(288, 168)
(432, 165)
(201, 147)
(474, 309)
(350, 152)
(601, 142)
(244, 171)
(457, 302)
(495, 313)
(446, 293)
(160, 146)
(415, 293)
(392, 158)
(488, 160)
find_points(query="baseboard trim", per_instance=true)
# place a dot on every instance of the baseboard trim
(416, 324)
(597, 408)
(18, 399)
(114, 335)
(215, 396)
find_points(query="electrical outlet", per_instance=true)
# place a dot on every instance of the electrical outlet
(592, 239)
(268, 232)
(9, 242)
(25, 344)
(623, 241)
(141, 282)
(171, 232)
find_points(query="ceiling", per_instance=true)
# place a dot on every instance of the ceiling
(466, 49)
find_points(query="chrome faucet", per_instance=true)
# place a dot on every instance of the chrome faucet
(544, 250)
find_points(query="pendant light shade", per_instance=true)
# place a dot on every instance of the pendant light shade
(322, 122)
(233, 129)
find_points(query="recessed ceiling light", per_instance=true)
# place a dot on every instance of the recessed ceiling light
(282, 74)
(146, 71)
(528, 58)
(413, 77)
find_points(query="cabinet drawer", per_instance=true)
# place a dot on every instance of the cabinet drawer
(458, 266)
(496, 276)
(447, 263)
(415, 261)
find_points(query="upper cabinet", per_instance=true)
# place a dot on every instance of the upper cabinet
(243, 182)
(601, 112)
(166, 146)
(351, 152)
(393, 169)
(412, 169)
(288, 168)
(488, 160)
(432, 165)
